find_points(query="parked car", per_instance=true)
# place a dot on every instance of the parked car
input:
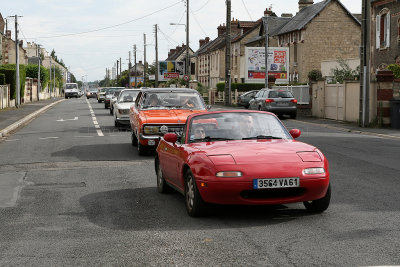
(91, 93)
(280, 102)
(161, 110)
(244, 99)
(249, 158)
(101, 94)
(122, 106)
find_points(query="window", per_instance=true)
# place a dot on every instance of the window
(383, 29)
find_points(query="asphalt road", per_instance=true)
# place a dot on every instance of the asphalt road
(83, 196)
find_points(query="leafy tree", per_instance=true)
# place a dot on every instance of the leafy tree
(396, 70)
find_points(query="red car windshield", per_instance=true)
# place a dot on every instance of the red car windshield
(236, 126)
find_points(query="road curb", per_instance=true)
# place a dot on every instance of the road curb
(350, 130)
(27, 119)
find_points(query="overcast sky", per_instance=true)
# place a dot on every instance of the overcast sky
(91, 35)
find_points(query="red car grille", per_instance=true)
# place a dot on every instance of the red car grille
(272, 193)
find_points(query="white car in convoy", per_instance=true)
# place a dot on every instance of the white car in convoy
(121, 108)
(71, 90)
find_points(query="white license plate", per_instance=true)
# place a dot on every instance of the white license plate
(276, 183)
(151, 142)
(282, 104)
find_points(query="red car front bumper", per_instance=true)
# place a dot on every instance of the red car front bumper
(242, 192)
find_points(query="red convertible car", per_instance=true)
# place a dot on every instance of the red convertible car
(241, 158)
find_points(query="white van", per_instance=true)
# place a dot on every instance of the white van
(71, 90)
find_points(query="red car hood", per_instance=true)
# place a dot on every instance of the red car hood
(160, 116)
(255, 151)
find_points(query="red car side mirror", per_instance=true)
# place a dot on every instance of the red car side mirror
(170, 137)
(295, 133)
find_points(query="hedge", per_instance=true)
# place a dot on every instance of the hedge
(32, 72)
(241, 87)
(2, 79)
(9, 70)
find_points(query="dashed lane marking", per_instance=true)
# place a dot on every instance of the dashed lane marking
(96, 124)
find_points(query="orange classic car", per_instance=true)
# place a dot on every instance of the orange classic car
(161, 110)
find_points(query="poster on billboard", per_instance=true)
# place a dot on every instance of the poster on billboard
(170, 70)
(278, 64)
(139, 80)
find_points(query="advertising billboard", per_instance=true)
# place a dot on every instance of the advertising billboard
(170, 70)
(278, 64)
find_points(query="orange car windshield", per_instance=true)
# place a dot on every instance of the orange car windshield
(173, 100)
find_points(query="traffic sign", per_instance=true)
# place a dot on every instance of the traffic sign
(186, 78)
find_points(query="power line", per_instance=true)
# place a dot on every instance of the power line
(112, 26)
(197, 10)
(167, 38)
(248, 13)
(194, 16)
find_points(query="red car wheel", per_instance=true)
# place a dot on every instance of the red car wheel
(162, 186)
(194, 203)
(319, 205)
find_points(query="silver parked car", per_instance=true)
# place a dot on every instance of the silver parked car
(280, 102)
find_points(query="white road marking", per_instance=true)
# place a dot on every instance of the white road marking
(50, 137)
(11, 140)
(84, 136)
(96, 124)
(74, 119)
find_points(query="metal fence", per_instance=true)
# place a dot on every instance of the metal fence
(300, 92)
(4, 96)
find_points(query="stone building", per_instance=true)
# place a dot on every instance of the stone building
(8, 50)
(319, 32)
(385, 34)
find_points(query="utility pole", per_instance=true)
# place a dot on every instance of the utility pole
(54, 80)
(265, 20)
(228, 54)
(144, 63)
(129, 71)
(120, 67)
(50, 82)
(134, 50)
(364, 63)
(39, 83)
(156, 76)
(117, 70)
(17, 87)
(187, 42)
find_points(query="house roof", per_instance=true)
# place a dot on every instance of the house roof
(240, 37)
(178, 53)
(275, 24)
(307, 14)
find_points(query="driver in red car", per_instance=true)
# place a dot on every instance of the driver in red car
(246, 127)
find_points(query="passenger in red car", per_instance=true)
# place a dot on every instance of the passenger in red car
(199, 132)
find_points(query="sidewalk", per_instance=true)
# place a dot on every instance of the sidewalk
(337, 125)
(12, 118)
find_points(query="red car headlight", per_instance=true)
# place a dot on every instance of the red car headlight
(309, 171)
(228, 174)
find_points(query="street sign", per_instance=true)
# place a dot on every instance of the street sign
(186, 78)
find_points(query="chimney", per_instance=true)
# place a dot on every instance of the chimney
(171, 52)
(221, 30)
(268, 12)
(202, 42)
(207, 40)
(305, 3)
(287, 15)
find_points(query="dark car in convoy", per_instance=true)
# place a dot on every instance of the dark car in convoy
(91, 93)
(280, 102)
(243, 100)
(109, 95)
